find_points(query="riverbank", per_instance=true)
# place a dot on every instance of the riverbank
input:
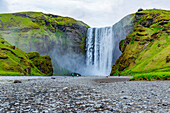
(84, 94)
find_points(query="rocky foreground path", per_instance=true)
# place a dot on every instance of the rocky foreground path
(84, 94)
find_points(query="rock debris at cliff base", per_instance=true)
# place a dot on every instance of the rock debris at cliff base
(83, 94)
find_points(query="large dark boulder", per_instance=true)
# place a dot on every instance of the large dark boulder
(17, 81)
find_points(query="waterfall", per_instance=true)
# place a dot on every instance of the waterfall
(102, 46)
(100, 49)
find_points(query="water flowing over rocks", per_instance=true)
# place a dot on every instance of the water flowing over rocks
(83, 94)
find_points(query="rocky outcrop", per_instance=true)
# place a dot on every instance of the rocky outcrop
(147, 47)
(48, 34)
(43, 63)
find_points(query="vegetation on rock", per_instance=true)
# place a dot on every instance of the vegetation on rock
(147, 48)
(15, 62)
(151, 76)
(43, 63)
(44, 33)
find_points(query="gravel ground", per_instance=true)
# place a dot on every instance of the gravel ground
(83, 94)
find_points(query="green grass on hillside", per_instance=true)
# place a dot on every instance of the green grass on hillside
(151, 76)
(14, 62)
(7, 73)
(14, 22)
(148, 47)
(153, 57)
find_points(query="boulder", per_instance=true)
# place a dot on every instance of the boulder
(52, 77)
(17, 81)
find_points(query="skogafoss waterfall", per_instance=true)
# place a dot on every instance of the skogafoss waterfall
(99, 49)
(102, 46)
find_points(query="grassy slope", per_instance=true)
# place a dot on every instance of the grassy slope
(14, 62)
(26, 25)
(148, 48)
(12, 65)
(24, 20)
(18, 27)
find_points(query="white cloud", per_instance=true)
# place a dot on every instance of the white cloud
(92, 12)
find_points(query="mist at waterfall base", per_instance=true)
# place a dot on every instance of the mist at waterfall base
(70, 62)
(102, 50)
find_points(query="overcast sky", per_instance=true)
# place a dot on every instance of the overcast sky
(96, 13)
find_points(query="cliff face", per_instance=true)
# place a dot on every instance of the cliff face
(45, 33)
(14, 61)
(146, 49)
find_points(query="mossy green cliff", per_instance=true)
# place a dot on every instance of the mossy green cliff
(147, 48)
(15, 62)
(43, 63)
(45, 33)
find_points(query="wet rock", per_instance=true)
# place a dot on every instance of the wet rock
(52, 77)
(65, 88)
(98, 105)
(35, 111)
(125, 97)
(17, 81)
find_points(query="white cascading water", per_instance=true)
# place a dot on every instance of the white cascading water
(99, 49)
(102, 46)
